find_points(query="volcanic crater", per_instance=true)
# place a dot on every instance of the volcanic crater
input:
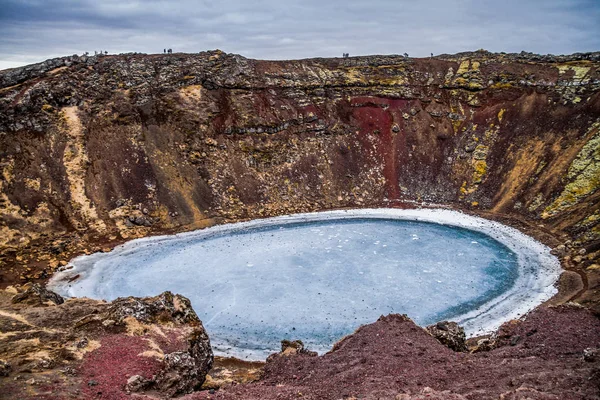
(97, 151)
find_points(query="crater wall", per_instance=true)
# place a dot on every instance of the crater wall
(97, 150)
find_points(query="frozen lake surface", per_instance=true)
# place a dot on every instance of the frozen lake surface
(317, 277)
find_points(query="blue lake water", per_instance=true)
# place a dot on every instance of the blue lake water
(315, 281)
(319, 276)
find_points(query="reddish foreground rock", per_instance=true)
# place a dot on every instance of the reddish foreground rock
(541, 357)
(85, 349)
(157, 348)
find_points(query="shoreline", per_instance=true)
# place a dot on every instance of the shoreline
(475, 322)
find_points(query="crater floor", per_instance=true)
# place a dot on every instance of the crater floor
(317, 277)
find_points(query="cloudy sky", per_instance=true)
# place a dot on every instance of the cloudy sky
(34, 30)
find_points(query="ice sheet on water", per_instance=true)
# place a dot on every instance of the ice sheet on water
(317, 277)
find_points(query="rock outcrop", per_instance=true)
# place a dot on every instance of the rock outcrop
(149, 310)
(449, 334)
(81, 348)
(37, 294)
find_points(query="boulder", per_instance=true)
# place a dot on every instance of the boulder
(140, 220)
(37, 295)
(591, 354)
(291, 348)
(559, 251)
(164, 315)
(292, 345)
(137, 383)
(483, 344)
(5, 368)
(449, 334)
(185, 371)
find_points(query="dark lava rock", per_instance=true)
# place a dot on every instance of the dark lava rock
(5, 368)
(291, 348)
(449, 334)
(455, 116)
(483, 344)
(143, 220)
(515, 340)
(162, 308)
(470, 146)
(181, 374)
(436, 113)
(185, 372)
(591, 354)
(297, 345)
(37, 295)
(137, 383)
(82, 343)
(559, 251)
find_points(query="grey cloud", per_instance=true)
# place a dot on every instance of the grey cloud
(279, 29)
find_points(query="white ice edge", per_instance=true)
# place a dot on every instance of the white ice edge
(531, 288)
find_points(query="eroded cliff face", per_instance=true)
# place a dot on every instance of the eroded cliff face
(103, 149)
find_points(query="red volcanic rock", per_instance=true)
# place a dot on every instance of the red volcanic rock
(89, 349)
(395, 359)
(104, 372)
(208, 137)
(212, 137)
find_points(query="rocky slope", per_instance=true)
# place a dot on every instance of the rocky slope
(154, 348)
(96, 150)
(84, 349)
(395, 359)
